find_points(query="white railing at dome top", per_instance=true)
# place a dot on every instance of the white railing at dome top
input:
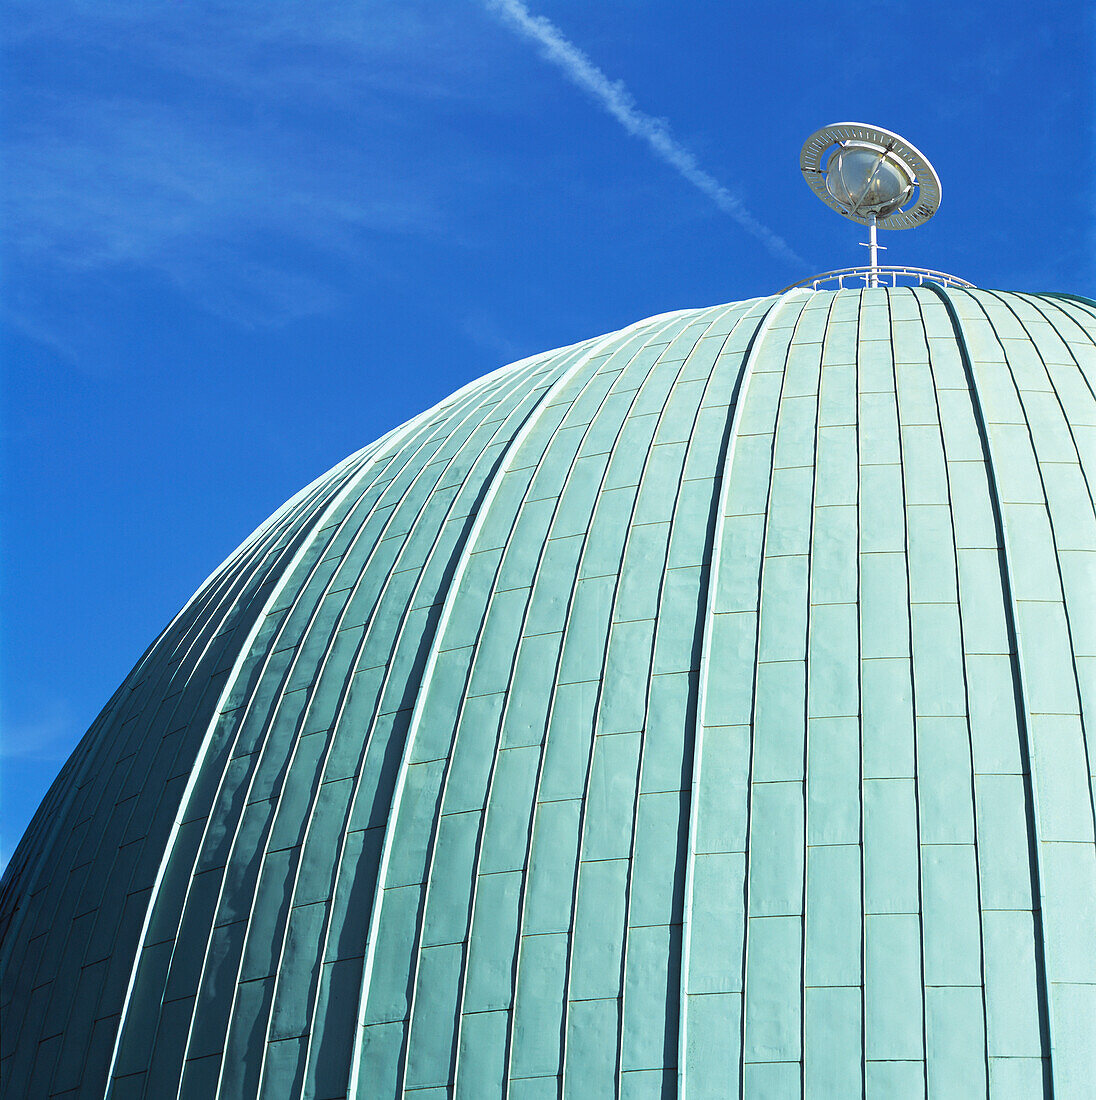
(880, 276)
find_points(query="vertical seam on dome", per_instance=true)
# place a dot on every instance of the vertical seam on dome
(431, 662)
(1050, 520)
(588, 771)
(863, 916)
(750, 783)
(715, 526)
(978, 854)
(1069, 620)
(738, 401)
(913, 702)
(632, 844)
(807, 707)
(203, 748)
(1035, 861)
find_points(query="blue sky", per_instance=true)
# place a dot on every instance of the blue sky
(241, 240)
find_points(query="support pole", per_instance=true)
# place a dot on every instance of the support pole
(873, 253)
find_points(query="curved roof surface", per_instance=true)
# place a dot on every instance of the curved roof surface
(706, 705)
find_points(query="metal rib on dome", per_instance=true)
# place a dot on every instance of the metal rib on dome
(706, 707)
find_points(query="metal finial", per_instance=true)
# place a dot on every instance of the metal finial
(871, 176)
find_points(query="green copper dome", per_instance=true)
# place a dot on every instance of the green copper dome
(705, 710)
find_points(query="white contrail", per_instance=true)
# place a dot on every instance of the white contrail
(618, 101)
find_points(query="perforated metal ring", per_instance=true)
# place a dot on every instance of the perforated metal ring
(927, 201)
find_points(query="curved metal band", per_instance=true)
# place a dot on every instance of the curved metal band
(848, 277)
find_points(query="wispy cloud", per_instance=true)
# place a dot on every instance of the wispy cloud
(615, 99)
(138, 185)
(259, 166)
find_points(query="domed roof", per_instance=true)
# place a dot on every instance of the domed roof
(707, 705)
